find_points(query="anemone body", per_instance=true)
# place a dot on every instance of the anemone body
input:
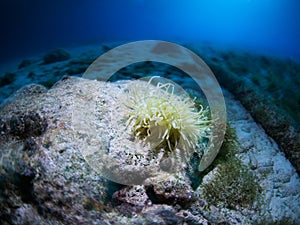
(164, 119)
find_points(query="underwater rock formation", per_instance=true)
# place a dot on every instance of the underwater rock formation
(45, 178)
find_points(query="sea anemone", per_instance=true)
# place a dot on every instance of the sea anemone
(165, 120)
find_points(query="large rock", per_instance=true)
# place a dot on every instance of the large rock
(46, 178)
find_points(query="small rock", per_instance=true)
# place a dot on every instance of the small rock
(166, 192)
(56, 56)
(131, 200)
(24, 63)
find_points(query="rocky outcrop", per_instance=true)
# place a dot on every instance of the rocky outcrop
(45, 177)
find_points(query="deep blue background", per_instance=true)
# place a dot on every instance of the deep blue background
(31, 26)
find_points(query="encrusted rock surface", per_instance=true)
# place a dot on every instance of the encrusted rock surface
(130, 200)
(259, 87)
(278, 179)
(45, 179)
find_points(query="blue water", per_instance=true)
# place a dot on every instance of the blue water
(267, 26)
